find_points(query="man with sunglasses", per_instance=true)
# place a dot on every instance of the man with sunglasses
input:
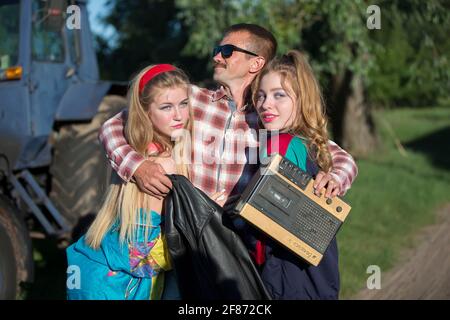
(224, 165)
(226, 51)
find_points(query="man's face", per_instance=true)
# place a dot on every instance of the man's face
(236, 67)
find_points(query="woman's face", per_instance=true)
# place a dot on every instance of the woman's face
(274, 106)
(169, 111)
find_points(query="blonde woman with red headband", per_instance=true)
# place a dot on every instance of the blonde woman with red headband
(124, 255)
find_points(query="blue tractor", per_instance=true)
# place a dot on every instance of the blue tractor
(53, 172)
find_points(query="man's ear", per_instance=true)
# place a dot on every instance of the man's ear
(257, 64)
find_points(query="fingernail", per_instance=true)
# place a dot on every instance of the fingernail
(221, 197)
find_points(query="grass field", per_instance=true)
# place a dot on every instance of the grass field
(396, 192)
(393, 197)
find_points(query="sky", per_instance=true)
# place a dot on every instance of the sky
(96, 10)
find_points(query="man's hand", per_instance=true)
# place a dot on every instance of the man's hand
(326, 180)
(219, 197)
(151, 179)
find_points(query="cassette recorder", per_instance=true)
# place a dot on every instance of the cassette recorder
(280, 201)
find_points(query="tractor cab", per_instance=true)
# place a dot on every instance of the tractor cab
(48, 74)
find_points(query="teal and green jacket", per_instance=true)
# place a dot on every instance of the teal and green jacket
(119, 271)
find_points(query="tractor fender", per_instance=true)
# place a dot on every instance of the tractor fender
(81, 100)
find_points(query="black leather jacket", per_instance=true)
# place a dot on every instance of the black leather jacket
(209, 259)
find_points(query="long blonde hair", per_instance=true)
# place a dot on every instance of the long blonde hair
(310, 119)
(124, 202)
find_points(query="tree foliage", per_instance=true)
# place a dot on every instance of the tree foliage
(412, 66)
(333, 33)
(403, 63)
(147, 32)
(406, 62)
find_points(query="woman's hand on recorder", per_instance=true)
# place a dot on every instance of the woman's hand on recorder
(326, 180)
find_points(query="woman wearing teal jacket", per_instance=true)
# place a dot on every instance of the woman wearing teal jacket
(127, 271)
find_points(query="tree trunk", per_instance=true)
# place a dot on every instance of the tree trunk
(353, 126)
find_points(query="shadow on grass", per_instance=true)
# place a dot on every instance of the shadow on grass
(436, 146)
(82, 226)
(49, 273)
(394, 165)
(51, 265)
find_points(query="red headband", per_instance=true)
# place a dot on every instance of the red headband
(153, 72)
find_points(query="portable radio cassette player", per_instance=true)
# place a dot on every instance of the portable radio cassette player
(281, 202)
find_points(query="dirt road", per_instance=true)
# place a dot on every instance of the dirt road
(424, 272)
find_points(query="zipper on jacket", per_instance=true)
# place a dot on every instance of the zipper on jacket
(129, 290)
(232, 106)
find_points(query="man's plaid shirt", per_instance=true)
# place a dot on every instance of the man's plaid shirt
(223, 146)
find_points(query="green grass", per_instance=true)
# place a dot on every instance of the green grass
(395, 195)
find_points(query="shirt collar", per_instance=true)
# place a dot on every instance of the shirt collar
(220, 93)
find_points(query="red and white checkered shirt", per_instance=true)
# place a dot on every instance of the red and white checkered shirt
(224, 146)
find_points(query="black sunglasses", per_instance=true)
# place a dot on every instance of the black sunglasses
(227, 50)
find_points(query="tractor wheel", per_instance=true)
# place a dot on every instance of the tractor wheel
(16, 260)
(80, 171)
